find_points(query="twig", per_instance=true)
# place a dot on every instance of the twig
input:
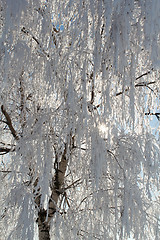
(141, 84)
(22, 100)
(144, 84)
(74, 184)
(55, 30)
(9, 123)
(92, 91)
(4, 150)
(144, 74)
(9, 171)
(156, 114)
(24, 30)
(119, 93)
(111, 153)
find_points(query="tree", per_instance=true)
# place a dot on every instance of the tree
(79, 157)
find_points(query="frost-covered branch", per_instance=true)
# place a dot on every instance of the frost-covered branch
(144, 74)
(111, 153)
(74, 184)
(24, 30)
(22, 100)
(5, 150)
(9, 123)
(71, 186)
(140, 84)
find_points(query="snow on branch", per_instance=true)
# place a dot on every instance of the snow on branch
(140, 84)
(4, 150)
(24, 30)
(9, 123)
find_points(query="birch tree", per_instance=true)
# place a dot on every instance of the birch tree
(79, 86)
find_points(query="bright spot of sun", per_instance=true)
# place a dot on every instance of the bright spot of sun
(103, 129)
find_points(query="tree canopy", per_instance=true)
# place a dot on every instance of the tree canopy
(79, 85)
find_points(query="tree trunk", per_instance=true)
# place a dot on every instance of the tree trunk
(58, 181)
(44, 234)
(43, 226)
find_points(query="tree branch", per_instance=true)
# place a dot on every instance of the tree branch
(144, 74)
(74, 184)
(9, 171)
(156, 114)
(5, 150)
(24, 30)
(140, 84)
(9, 123)
(22, 100)
(111, 153)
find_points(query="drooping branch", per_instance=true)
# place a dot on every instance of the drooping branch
(22, 100)
(112, 154)
(24, 30)
(9, 123)
(140, 84)
(91, 102)
(55, 30)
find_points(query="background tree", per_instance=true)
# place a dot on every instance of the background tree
(79, 157)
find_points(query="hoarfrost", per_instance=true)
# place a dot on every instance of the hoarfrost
(79, 81)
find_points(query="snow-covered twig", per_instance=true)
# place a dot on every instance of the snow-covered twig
(9, 123)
